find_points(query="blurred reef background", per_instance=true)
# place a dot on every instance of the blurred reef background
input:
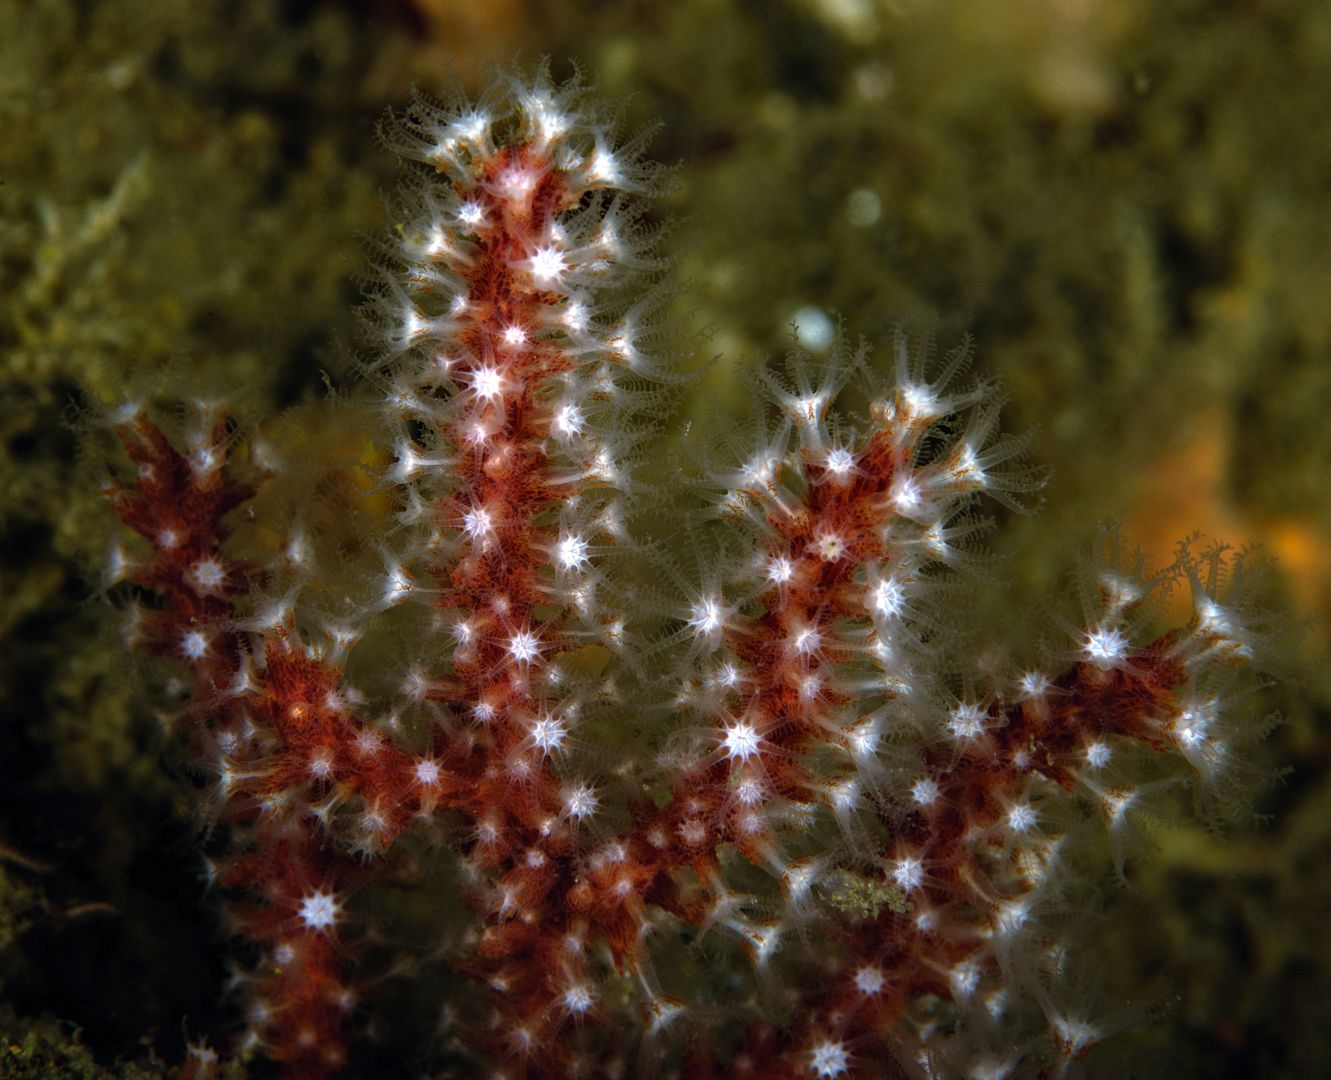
(1126, 202)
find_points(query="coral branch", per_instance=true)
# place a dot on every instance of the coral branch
(861, 829)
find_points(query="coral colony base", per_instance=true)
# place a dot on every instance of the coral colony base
(797, 827)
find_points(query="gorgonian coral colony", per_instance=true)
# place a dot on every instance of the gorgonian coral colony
(831, 784)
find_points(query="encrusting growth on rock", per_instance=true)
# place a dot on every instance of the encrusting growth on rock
(833, 790)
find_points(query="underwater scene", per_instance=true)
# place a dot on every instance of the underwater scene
(721, 538)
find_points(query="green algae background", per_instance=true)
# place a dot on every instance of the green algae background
(1128, 204)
